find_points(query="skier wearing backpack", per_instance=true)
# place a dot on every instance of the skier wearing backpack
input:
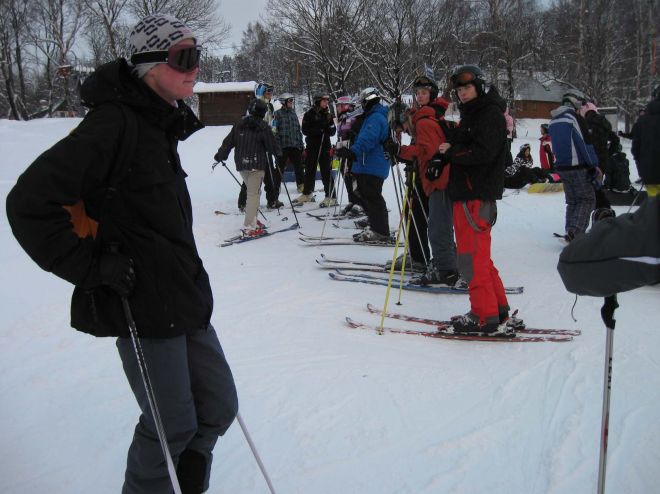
(254, 141)
(646, 145)
(429, 130)
(476, 152)
(143, 250)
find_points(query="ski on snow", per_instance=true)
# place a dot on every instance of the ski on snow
(440, 324)
(239, 239)
(350, 266)
(375, 280)
(511, 338)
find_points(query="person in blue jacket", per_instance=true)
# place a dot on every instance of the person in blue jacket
(370, 166)
(575, 161)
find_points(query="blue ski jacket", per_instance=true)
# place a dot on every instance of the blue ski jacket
(368, 146)
(568, 140)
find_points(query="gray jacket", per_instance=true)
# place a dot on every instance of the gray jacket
(617, 255)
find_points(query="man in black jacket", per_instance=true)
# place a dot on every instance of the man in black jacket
(646, 145)
(318, 126)
(477, 153)
(143, 250)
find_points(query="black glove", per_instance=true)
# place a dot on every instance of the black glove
(392, 147)
(218, 157)
(435, 167)
(116, 271)
(345, 154)
(411, 166)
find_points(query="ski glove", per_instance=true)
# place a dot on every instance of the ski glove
(435, 167)
(218, 157)
(116, 271)
(392, 147)
(346, 154)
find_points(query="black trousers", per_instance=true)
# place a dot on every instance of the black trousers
(317, 153)
(370, 192)
(293, 155)
(349, 181)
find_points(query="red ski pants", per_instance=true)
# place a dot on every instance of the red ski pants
(472, 223)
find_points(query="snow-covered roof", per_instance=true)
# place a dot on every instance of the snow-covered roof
(224, 87)
(533, 89)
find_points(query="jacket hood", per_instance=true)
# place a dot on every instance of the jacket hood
(559, 110)
(378, 109)
(114, 83)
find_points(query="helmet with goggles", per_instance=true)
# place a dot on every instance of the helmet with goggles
(469, 74)
(424, 82)
(263, 88)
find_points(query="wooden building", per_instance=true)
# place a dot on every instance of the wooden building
(535, 99)
(223, 103)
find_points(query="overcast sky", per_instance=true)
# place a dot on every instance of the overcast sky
(238, 13)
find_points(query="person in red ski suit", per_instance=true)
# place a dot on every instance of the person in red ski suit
(476, 152)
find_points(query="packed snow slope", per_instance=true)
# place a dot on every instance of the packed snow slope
(332, 409)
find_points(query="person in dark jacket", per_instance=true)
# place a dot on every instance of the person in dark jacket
(144, 249)
(318, 127)
(477, 153)
(616, 255)
(289, 137)
(254, 141)
(646, 145)
(370, 166)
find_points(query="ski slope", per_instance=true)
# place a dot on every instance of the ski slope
(332, 409)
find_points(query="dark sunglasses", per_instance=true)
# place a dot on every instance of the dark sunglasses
(462, 79)
(179, 58)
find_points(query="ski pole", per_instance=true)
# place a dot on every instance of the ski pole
(406, 245)
(389, 281)
(236, 180)
(287, 193)
(151, 397)
(255, 453)
(607, 314)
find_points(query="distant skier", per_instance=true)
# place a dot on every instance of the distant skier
(348, 126)
(289, 137)
(547, 158)
(523, 172)
(318, 127)
(575, 162)
(254, 141)
(476, 152)
(139, 246)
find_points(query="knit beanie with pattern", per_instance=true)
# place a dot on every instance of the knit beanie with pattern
(157, 32)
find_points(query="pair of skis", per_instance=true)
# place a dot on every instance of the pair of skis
(443, 330)
(239, 239)
(318, 240)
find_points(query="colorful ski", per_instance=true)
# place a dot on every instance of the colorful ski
(460, 336)
(375, 280)
(437, 323)
(240, 239)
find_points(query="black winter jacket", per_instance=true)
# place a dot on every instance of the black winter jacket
(318, 123)
(149, 218)
(252, 139)
(478, 149)
(600, 132)
(646, 144)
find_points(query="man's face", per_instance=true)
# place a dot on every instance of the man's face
(170, 84)
(423, 96)
(289, 103)
(466, 93)
(268, 95)
(324, 103)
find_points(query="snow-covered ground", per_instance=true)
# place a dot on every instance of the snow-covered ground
(335, 410)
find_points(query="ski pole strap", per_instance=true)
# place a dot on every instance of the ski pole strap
(607, 311)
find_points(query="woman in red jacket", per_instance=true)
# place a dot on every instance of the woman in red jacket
(429, 128)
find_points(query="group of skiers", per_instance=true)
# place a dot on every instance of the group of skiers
(107, 209)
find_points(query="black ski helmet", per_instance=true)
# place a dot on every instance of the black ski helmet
(469, 74)
(369, 97)
(574, 98)
(258, 108)
(318, 97)
(426, 82)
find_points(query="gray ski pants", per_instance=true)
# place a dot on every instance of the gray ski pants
(197, 400)
(441, 231)
(580, 199)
